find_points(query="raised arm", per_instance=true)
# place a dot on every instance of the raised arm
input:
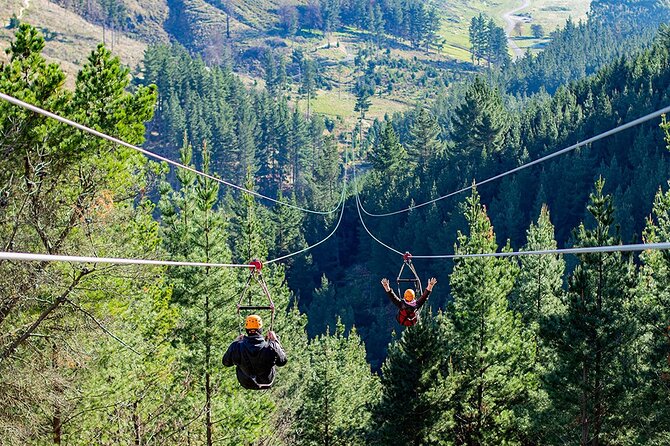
(429, 288)
(389, 292)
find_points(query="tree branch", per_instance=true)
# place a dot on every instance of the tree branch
(102, 327)
(57, 303)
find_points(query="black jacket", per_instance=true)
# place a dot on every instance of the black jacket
(255, 359)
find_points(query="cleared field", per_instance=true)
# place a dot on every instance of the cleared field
(341, 105)
(552, 14)
(70, 39)
(548, 13)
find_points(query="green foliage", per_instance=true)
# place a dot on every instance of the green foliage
(653, 344)
(388, 155)
(537, 30)
(576, 51)
(488, 41)
(589, 386)
(416, 22)
(68, 193)
(338, 387)
(424, 145)
(538, 293)
(479, 126)
(491, 378)
(411, 401)
(247, 130)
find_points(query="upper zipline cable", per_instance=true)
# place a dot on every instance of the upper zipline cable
(613, 131)
(583, 250)
(82, 127)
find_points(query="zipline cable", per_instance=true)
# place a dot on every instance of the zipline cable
(81, 127)
(360, 216)
(342, 200)
(32, 257)
(529, 164)
(584, 250)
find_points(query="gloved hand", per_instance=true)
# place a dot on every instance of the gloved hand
(272, 336)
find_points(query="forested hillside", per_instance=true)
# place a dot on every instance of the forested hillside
(327, 172)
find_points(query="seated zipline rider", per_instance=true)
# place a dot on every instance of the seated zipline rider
(255, 356)
(408, 307)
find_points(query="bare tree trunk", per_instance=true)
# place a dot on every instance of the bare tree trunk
(584, 417)
(137, 424)
(208, 344)
(56, 422)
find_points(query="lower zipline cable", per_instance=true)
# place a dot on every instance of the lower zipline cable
(32, 257)
(342, 199)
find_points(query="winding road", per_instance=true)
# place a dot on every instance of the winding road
(510, 21)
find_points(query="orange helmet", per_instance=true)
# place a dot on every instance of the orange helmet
(409, 295)
(253, 322)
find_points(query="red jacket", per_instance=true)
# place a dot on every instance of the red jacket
(408, 315)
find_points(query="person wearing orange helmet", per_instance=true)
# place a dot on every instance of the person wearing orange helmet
(408, 306)
(255, 356)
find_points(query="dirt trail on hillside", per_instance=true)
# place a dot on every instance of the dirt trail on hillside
(26, 5)
(510, 21)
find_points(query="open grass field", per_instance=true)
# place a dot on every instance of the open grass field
(70, 39)
(341, 105)
(548, 13)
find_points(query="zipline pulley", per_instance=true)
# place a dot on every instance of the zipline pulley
(256, 275)
(415, 281)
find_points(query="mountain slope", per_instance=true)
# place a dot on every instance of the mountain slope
(70, 38)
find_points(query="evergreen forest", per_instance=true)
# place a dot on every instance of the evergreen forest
(511, 349)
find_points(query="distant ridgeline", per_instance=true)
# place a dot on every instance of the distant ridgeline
(614, 28)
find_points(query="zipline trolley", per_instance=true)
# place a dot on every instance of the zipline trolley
(255, 275)
(415, 281)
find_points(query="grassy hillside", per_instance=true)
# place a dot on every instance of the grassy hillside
(204, 26)
(69, 37)
(548, 13)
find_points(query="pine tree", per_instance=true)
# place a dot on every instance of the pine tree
(478, 37)
(538, 293)
(195, 231)
(479, 127)
(248, 227)
(323, 309)
(333, 411)
(411, 402)
(388, 155)
(496, 45)
(593, 337)
(424, 145)
(650, 401)
(492, 353)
